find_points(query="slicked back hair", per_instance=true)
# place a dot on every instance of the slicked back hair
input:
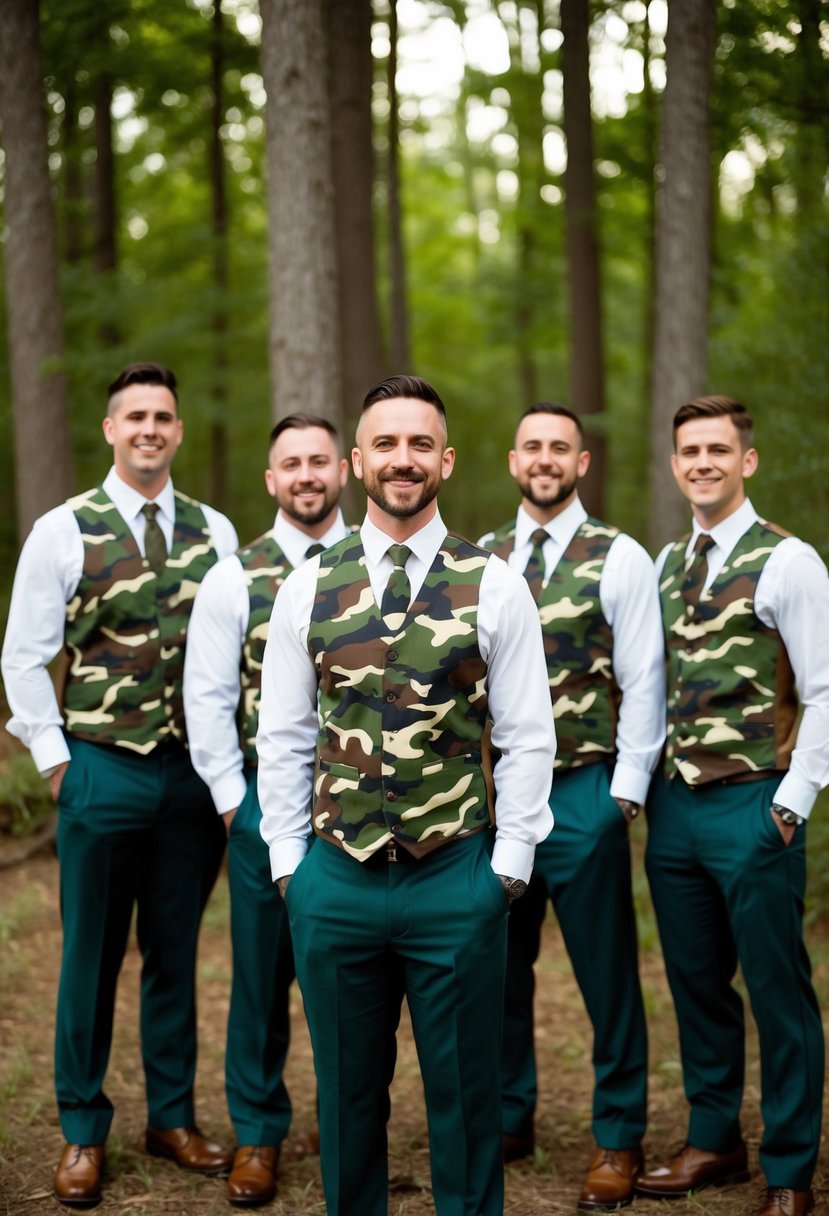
(141, 373)
(559, 411)
(403, 386)
(718, 407)
(303, 422)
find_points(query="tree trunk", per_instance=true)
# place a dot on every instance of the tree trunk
(73, 199)
(43, 457)
(304, 323)
(218, 190)
(683, 247)
(106, 251)
(587, 388)
(350, 80)
(399, 338)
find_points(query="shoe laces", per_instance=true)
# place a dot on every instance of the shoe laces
(780, 1195)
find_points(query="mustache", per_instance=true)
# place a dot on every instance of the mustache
(408, 472)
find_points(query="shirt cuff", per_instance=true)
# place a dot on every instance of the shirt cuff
(513, 858)
(796, 795)
(286, 855)
(227, 793)
(49, 750)
(630, 783)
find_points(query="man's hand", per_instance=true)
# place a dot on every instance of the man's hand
(786, 830)
(282, 883)
(629, 809)
(56, 779)
(228, 817)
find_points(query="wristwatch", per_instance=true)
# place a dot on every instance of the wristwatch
(785, 815)
(514, 887)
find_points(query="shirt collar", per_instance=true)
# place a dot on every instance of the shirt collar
(424, 544)
(294, 542)
(561, 528)
(130, 502)
(728, 531)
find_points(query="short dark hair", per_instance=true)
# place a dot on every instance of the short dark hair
(403, 386)
(717, 407)
(553, 407)
(143, 373)
(302, 422)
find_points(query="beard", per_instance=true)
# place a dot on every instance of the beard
(552, 498)
(310, 515)
(406, 507)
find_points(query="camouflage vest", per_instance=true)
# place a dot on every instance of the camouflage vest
(265, 568)
(578, 644)
(732, 704)
(125, 627)
(402, 714)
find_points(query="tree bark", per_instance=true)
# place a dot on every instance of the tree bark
(399, 338)
(43, 458)
(587, 381)
(106, 248)
(683, 248)
(350, 68)
(218, 191)
(304, 323)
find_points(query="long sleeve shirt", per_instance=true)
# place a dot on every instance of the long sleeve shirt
(48, 574)
(792, 596)
(509, 639)
(629, 599)
(212, 683)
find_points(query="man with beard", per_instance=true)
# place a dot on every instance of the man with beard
(385, 657)
(222, 679)
(107, 580)
(599, 609)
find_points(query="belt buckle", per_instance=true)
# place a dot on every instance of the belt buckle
(391, 851)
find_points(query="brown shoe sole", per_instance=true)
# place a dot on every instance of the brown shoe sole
(718, 1180)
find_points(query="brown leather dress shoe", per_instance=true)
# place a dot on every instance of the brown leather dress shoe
(782, 1201)
(253, 1178)
(189, 1149)
(693, 1169)
(610, 1179)
(515, 1148)
(78, 1176)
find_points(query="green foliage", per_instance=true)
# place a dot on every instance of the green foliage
(25, 800)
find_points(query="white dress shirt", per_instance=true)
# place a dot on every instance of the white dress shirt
(629, 599)
(509, 638)
(48, 574)
(792, 597)
(212, 676)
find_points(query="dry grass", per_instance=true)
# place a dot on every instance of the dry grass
(30, 1138)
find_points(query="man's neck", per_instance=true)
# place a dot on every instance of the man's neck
(400, 530)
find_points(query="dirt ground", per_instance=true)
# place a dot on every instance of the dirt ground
(30, 1139)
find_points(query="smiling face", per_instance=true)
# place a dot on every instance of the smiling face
(402, 459)
(709, 465)
(144, 431)
(306, 475)
(547, 462)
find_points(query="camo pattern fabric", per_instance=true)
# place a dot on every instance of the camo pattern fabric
(402, 703)
(265, 568)
(732, 705)
(578, 645)
(125, 627)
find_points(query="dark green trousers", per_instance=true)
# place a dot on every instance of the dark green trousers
(132, 831)
(258, 1028)
(363, 935)
(584, 868)
(727, 890)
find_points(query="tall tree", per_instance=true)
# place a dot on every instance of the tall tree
(43, 458)
(683, 246)
(399, 336)
(587, 381)
(218, 194)
(304, 338)
(350, 80)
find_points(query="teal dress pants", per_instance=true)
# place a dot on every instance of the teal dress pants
(727, 889)
(364, 934)
(583, 867)
(133, 831)
(258, 1028)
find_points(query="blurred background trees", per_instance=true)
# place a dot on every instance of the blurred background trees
(286, 204)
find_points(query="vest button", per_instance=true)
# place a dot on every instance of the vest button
(392, 656)
(391, 796)
(397, 828)
(391, 696)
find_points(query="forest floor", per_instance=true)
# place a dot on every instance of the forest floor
(30, 1139)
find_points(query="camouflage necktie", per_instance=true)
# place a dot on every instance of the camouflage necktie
(697, 572)
(313, 550)
(536, 566)
(398, 590)
(155, 546)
